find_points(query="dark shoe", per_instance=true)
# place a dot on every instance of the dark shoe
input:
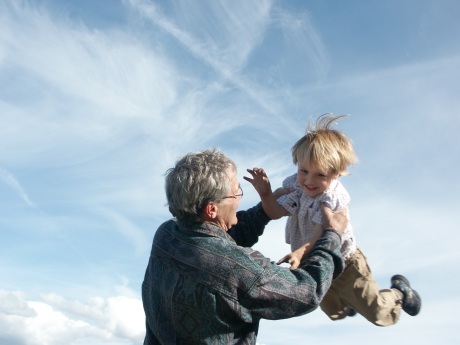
(411, 299)
(351, 312)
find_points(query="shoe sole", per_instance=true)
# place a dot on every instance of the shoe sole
(417, 296)
(397, 277)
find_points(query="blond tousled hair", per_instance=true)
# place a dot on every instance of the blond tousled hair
(325, 148)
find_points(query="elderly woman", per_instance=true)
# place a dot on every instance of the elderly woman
(204, 284)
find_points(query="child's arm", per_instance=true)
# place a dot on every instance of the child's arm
(261, 183)
(297, 256)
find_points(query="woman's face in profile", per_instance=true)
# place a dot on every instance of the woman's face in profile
(227, 207)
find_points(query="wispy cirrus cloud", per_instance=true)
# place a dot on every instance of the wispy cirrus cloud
(242, 29)
(12, 182)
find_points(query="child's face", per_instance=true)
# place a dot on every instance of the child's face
(313, 180)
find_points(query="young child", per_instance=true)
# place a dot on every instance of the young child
(323, 155)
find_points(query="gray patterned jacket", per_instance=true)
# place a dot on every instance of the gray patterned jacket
(207, 286)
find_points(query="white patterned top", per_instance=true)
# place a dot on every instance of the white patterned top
(305, 212)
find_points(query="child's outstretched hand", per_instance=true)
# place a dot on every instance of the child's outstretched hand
(261, 184)
(259, 180)
(291, 259)
(294, 258)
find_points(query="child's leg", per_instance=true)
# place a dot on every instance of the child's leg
(358, 290)
(333, 306)
(335, 303)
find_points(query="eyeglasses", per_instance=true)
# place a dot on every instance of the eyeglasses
(235, 196)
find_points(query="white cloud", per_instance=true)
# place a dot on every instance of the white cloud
(222, 34)
(304, 37)
(132, 233)
(87, 91)
(108, 69)
(245, 25)
(12, 182)
(13, 303)
(54, 320)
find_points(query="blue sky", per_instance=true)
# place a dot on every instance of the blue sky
(99, 98)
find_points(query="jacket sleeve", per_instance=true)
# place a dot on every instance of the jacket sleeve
(282, 293)
(251, 225)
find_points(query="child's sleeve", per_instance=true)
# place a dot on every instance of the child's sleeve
(290, 201)
(336, 199)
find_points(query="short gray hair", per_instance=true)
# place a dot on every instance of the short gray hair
(197, 179)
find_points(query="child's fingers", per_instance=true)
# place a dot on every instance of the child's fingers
(294, 265)
(260, 171)
(283, 260)
(256, 171)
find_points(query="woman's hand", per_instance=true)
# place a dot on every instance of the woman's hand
(337, 220)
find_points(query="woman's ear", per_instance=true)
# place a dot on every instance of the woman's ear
(210, 210)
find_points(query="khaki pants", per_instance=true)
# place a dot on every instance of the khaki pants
(356, 288)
